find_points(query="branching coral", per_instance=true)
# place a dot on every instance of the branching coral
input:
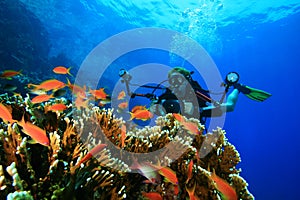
(73, 167)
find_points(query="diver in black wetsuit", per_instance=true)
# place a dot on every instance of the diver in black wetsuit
(185, 96)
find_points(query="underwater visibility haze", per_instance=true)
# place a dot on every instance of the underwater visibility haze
(78, 79)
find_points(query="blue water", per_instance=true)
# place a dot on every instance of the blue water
(259, 40)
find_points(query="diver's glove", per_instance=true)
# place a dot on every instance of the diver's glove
(252, 93)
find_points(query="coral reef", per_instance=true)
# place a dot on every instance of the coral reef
(73, 167)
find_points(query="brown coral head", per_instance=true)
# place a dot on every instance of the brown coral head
(131, 145)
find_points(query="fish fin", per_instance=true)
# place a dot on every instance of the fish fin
(32, 141)
(69, 71)
(68, 82)
(131, 116)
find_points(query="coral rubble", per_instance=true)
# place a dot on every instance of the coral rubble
(29, 170)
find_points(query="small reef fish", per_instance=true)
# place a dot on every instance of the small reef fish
(36, 133)
(190, 171)
(168, 173)
(76, 89)
(38, 92)
(121, 95)
(123, 135)
(191, 192)
(123, 105)
(62, 70)
(98, 94)
(191, 127)
(5, 114)
(136, 108)
(143, 115)
(94, 151)
(41, 98)
(56, 107)
(152, 195)
(227, 191)
(47, 85)
(147, 171)
(10, 73)
(9, 87)
(59, 93)
(103, 102)
(81, 103)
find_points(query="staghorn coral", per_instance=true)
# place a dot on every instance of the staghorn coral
(55, 172)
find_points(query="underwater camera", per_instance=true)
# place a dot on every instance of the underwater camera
(125, 75)
(232, 78)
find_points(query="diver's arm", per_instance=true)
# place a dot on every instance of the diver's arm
(228, 106)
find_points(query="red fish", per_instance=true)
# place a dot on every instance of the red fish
(121, 95)
(191, 127)
(136, 108)
(41, 98)
(143, 115)
(190, 171)
(146, 170)
(123, 135)
(191, 192)
(47, 85)
(5, 114)
(10, 73)
(123, 105)
(81, 103)
(227, 191)
(76, 89)
(56, 107)
(62, 70)
(168, 173)
(152, 196)
(94, 151)
(36, 133)
(99, 94)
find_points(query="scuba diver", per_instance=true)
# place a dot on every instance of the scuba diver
(187, 97)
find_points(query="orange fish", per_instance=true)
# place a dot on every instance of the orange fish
(191, 192)
(146, 170)
(168, 173)
(62, 70)
(152, 195)
(10, 73)
(56, 107)
(94, 151)
(121, 95)
(47, 85)
(5, 114)
(103, 102)
(190, 171)
(80, 102)
(36, 133)
(189, 126)
(136, 108)
(178, 117)
(123, 135)
(98, 94)
(76, 89)
(143, 115)
(41, 98)
(123, 105)
(227, 191)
